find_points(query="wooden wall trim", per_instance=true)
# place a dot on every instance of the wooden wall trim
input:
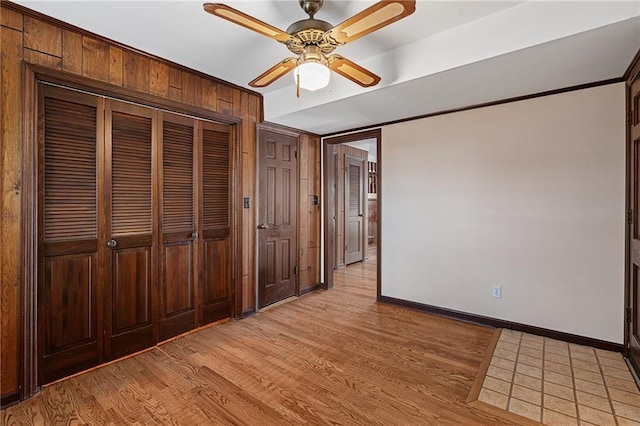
(344, 137)
(65, 25)
(499, 323)
(9, 399)
(236, 221)
(273, 127)
(310, 289)
(481, 105)
(285, 129)
(29, 234)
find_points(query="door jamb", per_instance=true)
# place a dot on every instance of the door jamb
(631, 75)
(328, 196)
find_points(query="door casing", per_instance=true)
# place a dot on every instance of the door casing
(329, 196)
(631, 346)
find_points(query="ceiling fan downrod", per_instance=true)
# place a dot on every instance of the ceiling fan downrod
(311, 7)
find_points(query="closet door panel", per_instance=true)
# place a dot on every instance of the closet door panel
(131, 275)
(177, 274)
(71, 342)
(69, 326)
(178, 284)
(216, 276)
(216, 206)
(131, 289)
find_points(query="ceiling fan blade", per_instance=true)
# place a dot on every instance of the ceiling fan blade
(237, 17)
(369, 20)
(352, 71)
(274, 73)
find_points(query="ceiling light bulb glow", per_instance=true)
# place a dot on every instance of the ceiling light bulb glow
(312, 75)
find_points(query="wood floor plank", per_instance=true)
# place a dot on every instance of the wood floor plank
(329, 357)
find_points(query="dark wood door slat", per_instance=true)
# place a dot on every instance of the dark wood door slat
(130, 202)
(67, 164)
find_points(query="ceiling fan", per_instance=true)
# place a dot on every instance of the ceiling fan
(313, 41)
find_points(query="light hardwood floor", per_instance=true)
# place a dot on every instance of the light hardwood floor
(330, 357)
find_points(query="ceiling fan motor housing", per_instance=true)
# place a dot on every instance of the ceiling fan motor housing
(309, 32)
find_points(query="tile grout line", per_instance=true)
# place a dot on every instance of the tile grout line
(606, 388)
(573, 381)
(513, 374)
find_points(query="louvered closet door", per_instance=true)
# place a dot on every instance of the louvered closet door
(354, 206)
(69, 317)
(129, 229)
(178, 229)
(216, 207)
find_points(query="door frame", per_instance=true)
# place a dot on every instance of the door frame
(329, 196)
(276, 128)
(33, 75)
(631, 75)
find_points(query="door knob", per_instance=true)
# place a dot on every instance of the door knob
(112, 243)
(194, 234)
(263, 226)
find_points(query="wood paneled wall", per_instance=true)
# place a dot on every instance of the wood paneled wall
(36, 39)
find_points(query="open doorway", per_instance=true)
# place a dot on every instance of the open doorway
(352, 203)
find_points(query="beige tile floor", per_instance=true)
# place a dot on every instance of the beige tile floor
(560, 383)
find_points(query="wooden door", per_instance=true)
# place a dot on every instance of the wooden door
(633, 310)
(216, 223)
(69, 315)
(129, 225)
(178, 226)
(277, 251)
(134, 228)
(354, 209)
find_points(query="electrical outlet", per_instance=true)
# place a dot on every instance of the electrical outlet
(496, 291)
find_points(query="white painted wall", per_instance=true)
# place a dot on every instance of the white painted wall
(528, 195)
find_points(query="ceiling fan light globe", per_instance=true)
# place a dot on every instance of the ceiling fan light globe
(312, 75)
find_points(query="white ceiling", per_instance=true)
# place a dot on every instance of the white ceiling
(447, 55)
